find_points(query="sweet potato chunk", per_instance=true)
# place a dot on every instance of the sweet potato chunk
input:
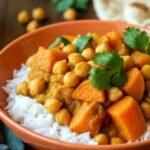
(140, 59)
(86, 92)
(70, 38)
(88, 118)
(135, 85)
(115, 40)
(45, 59)
(128, 118)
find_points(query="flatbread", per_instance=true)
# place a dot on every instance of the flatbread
(131, 11)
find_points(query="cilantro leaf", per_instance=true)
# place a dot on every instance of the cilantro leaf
(80, 4)
(59, 40)
(112, 60)
(100, 78)
(112, 75)
(82, 42)
(118, 79)
(136, 39)
(62, 5)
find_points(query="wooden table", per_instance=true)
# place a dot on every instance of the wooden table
(11, 29)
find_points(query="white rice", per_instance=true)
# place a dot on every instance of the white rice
(33, 115)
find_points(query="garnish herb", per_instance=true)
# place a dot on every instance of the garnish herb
(59, 40)
(80, 4)
(112, 75)
(118, 79)
(111, 60)
(100, 78)
(82, 41)
(62, 5)
(137, 40)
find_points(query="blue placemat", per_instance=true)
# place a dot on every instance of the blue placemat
(9, 141)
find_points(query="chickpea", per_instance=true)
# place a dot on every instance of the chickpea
(116, 140)
(75, 58)
(114, 94)
(38, 14)
(70, 14)
(52, 105)
(22, 88)
(70, 48)
(63, 117)
(146, 109)
(147, 84)
(36, 86)
(123, 50)
(60, 67)
(88, 54)
(103, 47)
(41, 98)
(82, 69)
(23, 17)
(101, 139)
(145, 70)
(128, 62)
(71, 79)
(30, 60)
(33, 25)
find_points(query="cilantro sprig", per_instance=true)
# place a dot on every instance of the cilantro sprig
(82, 41)
(137, 40)
(62, 5)
(112, 60)
(59, 40)
(112, 75)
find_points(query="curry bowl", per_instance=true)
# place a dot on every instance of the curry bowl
(17, 52)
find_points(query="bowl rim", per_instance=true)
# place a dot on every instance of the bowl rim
(4, 115)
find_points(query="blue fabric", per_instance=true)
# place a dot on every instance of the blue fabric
(9, 141)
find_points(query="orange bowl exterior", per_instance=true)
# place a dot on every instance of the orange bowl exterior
(19, 50)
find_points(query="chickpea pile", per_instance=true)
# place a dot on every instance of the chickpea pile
(32, 22)
(55, 90)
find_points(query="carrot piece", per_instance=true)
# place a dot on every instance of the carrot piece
(140, 59)
(115, 40)
(88, 118)
(135, 85)
(70, 38)
(128, 118)
(86, 92)
(45, 59)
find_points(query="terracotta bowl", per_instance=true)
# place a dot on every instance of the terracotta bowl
(19, 50)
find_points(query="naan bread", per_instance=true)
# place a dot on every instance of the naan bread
(131, 11)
